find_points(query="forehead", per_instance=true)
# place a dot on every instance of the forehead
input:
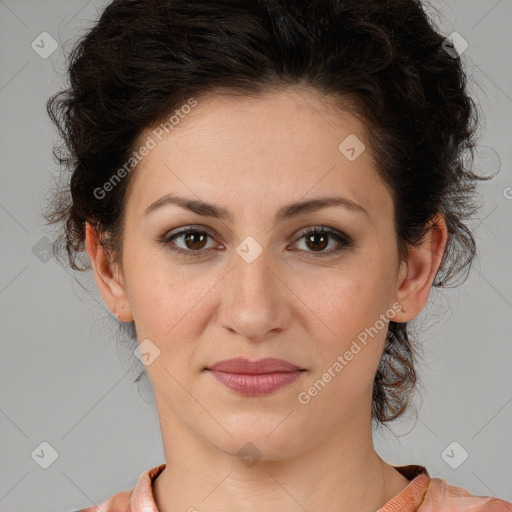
(277, 146)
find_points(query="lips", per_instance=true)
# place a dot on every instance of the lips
(261, 366)
(255, 378)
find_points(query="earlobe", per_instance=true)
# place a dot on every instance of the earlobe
(418, 272)
(107, 276)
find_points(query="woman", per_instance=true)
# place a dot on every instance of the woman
(267, 191)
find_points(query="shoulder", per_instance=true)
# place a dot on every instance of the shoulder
(138, 498)
(442, 496)
(119, 502)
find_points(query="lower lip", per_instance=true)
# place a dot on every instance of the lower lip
(256, 385)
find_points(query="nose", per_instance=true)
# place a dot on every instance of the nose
(253, 298)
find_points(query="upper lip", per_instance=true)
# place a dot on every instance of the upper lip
(242, 365)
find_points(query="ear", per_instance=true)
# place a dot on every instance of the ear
(108, 278)
(417, 274)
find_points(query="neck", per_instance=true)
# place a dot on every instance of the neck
(342, 473)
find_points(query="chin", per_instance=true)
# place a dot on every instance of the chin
(258, 440)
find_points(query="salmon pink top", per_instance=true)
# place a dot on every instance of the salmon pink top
(423, 494)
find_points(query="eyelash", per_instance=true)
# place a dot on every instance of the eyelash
(344, 239)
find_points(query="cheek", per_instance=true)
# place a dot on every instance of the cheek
(344, 298)
(344, 308)
(166, 299)
(349, 337)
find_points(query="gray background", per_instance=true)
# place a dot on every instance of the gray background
(64, 381)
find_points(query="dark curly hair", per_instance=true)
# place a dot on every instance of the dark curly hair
(383, 60)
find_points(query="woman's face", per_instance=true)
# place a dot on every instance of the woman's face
(257, 285)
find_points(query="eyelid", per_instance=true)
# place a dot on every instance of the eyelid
(321, 229)
(184, 229)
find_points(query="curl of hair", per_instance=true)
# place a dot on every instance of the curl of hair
(382, 60)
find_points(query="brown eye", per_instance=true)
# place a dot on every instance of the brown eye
(193, 241)
(317, 240)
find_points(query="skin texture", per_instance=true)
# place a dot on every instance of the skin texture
(253, 156)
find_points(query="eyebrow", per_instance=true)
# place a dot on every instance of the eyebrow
(286, 212)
